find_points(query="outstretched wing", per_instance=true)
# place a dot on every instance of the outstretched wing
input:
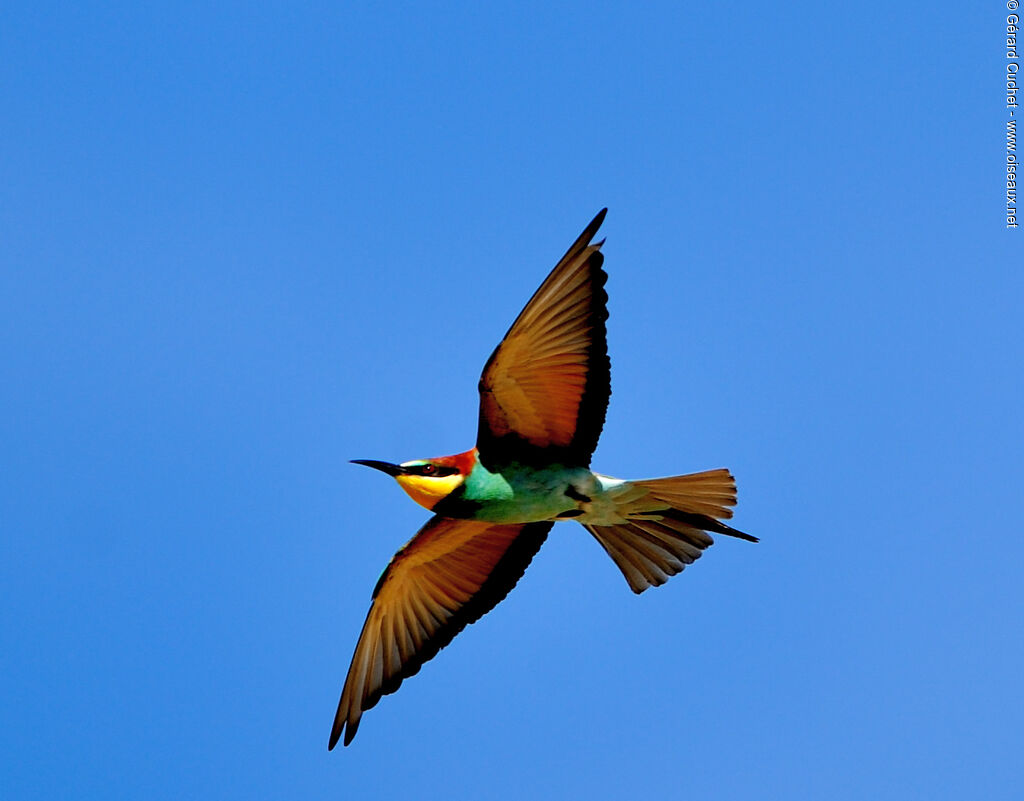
(546, 386)
(449, 575)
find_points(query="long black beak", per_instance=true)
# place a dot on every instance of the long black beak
(384, 467)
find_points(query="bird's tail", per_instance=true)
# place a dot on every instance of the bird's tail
(663, 524)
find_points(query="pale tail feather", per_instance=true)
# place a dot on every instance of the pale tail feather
(709, 493)
(664, 526)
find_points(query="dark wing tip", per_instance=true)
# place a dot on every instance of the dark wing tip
(339, 727)
(584, 239)
(590, 230)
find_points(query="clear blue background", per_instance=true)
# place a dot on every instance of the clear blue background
(243, 244)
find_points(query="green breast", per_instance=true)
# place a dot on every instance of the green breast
(520, 494)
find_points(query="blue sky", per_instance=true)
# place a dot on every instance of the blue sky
(241, 246)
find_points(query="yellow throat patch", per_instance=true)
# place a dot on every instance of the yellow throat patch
(428, 490)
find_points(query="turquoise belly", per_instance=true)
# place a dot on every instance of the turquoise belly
(523, 494)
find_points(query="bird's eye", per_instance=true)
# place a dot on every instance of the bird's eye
(428, 469)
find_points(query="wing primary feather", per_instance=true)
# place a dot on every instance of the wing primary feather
(449, 575)
(544, 391)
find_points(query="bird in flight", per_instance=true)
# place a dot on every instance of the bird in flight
(543, 396)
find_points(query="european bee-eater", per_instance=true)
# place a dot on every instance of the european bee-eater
(543, 395)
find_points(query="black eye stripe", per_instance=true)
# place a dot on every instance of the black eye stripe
(435, 471)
